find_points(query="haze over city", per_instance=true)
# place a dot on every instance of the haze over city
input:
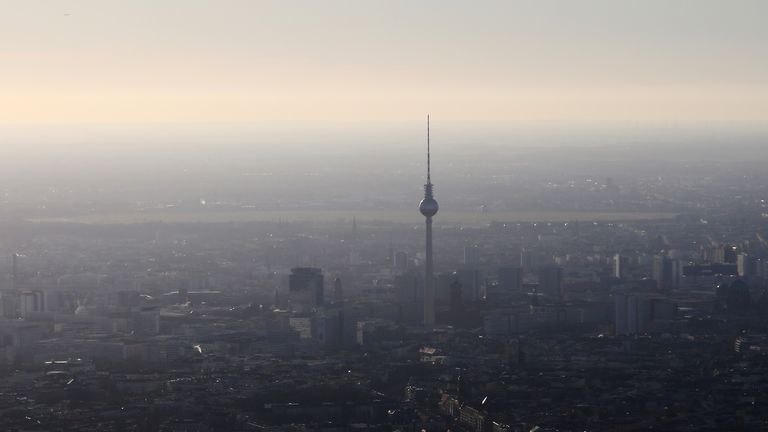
(223, 215)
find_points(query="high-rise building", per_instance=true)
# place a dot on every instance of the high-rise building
(400, 261)
(305, 288)
(526, 259)
(428, 208)
(409, 292)
(551, 281)
(15, 272)
(334, 328)
(719, 253)
(510, 279)
(32, 301)
(666, 272)
(634, 314)
(747, 265)
(470, 256)
(338, 291)
(470, 281)
(620, 264)
(455, 297)
(443, 286)
(509, 282)
(10, 306)
(302, 325)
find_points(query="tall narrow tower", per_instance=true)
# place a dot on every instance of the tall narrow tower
(14, 271)
(428, 207)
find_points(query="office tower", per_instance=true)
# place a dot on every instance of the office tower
(10, 306)
(620, 264)
(626, 314)
(14, 272)
(510, 280)
(338, 292)
(455, 297)
(634, 314)
(32, 301)
(747, 265)
(302, 325)
(409, 288)
(305, 288)
(443, 286)
(551, 281)
(409, 292)
(526, 259)
(666, 272)
(719, 253)
(400, 261)
(729, 254)
(334, 329)
(470, 281)
(470, 256)
(428, 207)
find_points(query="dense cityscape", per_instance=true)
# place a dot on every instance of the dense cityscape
(655, 321)
(383, 216)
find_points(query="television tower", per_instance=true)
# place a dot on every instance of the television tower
(428, 207)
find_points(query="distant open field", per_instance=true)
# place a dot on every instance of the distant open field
(444, 217)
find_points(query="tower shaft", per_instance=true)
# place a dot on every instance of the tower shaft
(429, 279)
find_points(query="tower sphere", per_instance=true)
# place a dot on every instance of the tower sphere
(428, 207)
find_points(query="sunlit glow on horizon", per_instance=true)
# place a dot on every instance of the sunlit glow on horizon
(242, 61)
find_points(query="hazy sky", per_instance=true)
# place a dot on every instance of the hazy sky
(138, 61)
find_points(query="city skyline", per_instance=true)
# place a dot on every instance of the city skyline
(208, 215)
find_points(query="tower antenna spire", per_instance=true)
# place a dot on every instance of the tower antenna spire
(428, 161)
